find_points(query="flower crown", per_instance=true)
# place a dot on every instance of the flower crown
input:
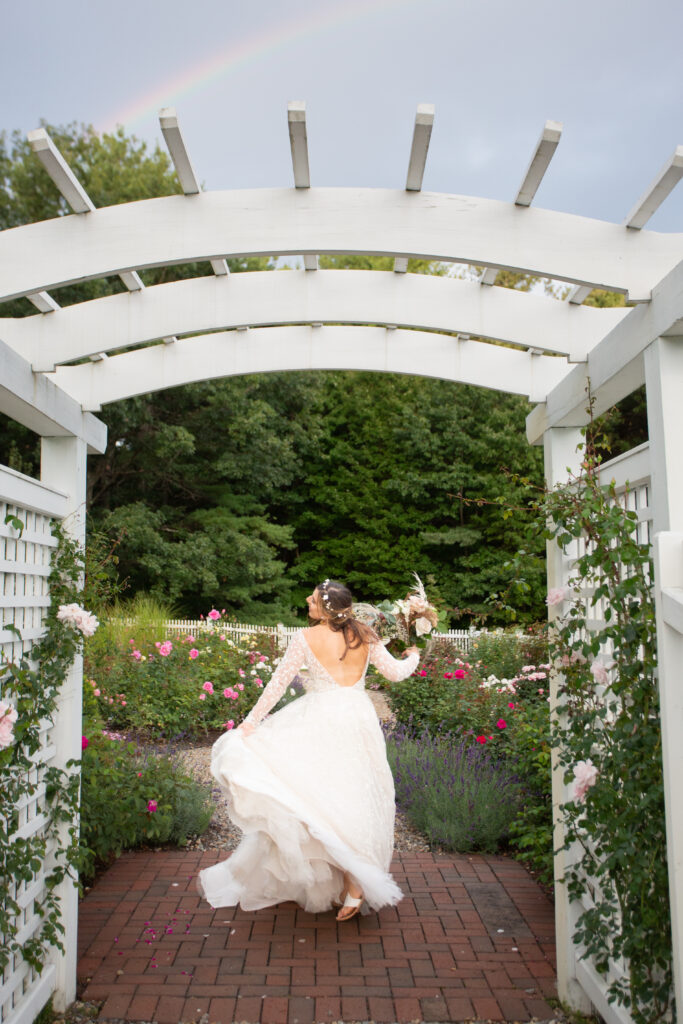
(345, 614)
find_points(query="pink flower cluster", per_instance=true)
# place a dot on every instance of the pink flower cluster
(585, 776)
(164, 648)
(8, 716)
(74, 615)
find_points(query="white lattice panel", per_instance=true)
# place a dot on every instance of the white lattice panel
(25, 556)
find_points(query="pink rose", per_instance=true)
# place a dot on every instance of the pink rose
(258, 681)
(241, 672)
(460, 673)
(207, 687)
(263, 658)
(511, 705)
(165, 648)
(151, 806)
(230, 724)
(422, 672)
(481, 739)
(556, 596)
(202, 696)
(585, 776)
(194, 653)
(240, 686)
(84, 742)
(136, 654)
(599, 672)
(501, 724)
(214, 614)
(96, 692)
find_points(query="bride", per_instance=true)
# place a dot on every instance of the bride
(310, 787)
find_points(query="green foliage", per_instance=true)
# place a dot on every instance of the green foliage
(32, 686)
(130, 798)
(459, 796)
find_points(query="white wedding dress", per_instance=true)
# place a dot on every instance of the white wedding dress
(312, 791)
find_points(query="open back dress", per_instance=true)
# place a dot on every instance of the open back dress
(311, 790)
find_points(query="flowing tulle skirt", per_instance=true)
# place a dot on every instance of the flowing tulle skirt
(313, 793)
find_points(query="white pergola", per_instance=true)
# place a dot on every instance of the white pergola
(60, 366)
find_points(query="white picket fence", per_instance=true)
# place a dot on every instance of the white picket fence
(464, 638)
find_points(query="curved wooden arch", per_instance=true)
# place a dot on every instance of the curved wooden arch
(328, 296)
(302, 347)
(213, 225)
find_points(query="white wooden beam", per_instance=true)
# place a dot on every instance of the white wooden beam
(579, 294)
(72, 190)
(305, 347)
(39, 404)
(204, 304)
(543, 154)
(664, 183)
(132, 280)
(615, 366)
(60, 172)
(189, 182)
(422, 133)
(298, 141)
(168, 119)
(282, 222)
(43, 302)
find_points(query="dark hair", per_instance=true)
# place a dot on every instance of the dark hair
(336, 602)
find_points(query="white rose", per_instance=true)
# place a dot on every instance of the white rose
(422, 626)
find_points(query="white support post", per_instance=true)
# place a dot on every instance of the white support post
(422, 133)
(664, 183)
(298, 141)
(561, 458)
(543, 154)
(668, 559)
(664, 386)
(63, 466)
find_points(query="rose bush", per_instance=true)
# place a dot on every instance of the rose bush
(190, 684)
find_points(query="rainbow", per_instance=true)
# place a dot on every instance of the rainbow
(254, 47)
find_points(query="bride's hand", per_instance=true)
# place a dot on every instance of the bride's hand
(410, 650)
(246, 727)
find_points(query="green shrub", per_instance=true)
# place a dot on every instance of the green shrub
(130, 797)
(528, 752)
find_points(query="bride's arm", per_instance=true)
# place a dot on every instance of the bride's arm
(393, 669)
(285, 672)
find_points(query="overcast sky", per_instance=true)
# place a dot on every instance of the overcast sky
(496, 70)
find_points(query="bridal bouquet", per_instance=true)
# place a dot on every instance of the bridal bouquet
(409, 621)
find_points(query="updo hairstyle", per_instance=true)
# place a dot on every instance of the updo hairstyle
(336, 602)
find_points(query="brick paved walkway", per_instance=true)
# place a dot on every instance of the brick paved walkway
(472, 938)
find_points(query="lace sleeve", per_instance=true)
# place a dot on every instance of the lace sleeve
(285, 672)
(393, 669)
